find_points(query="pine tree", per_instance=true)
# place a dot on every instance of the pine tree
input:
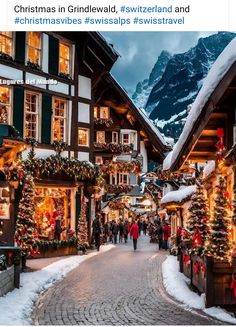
(198, 219)
(83, 227)
(218, 244)
(26, 232)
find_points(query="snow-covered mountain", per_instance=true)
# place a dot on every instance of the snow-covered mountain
(178, 81)
(144, 88)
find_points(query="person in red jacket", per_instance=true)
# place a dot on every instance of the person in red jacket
(165, 236)
(134, 232)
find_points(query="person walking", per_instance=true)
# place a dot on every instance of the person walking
(126, 232)
(144, 227)
(106, 231)
(159, 232)
(134, 232)
(115, 230)
(121, 231)
(139, 226)
(97, 230)
(165, 236)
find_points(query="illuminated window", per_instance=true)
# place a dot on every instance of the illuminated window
(98, 160)
(115, 137)
(100, 137)
(60, 119)
(5, 105)
(95, 112)
(34, 47)
(124, 179)
(83, 137)
(31, 115)
(64, 58)
(6, 42)
(125, 138)
(104, 112)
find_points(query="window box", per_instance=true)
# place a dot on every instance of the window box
(65, 76)
(5, 56)
(103, 121)
(33, 65)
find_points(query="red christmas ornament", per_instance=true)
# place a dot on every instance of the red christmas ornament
(220, 132)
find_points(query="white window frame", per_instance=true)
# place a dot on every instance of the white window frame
(65, 138)
(113, 176)
(40, 49)
(121, 179)
(87, 130)
(115, 136)
(104, 136)
(11, 38)
(69, 45)
(98, 160)
(38, 113)
(122, 138)
(9, 105)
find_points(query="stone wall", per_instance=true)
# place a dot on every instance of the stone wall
(6, 280)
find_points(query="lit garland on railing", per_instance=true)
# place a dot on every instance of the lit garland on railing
(103, 121)
(113, 147)
(56, 165)
(116, 205)
(118, 188)
(133, 167)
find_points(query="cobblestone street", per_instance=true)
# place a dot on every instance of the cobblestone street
(119, 287)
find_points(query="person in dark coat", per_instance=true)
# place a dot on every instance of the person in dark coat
(140, 224)
(134, 232)
(126, 230)
(97, 230)
(115, 230)
(159, 233)
(165, 236)
(106, 231)
(121, 231)
(144, 227)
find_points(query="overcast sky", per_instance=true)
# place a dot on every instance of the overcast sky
(140, 50)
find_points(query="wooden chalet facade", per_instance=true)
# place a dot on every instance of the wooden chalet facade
(208, 139)
(47, 85)
(125, 141)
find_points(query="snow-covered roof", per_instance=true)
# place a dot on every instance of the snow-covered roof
(152, 126)
(209, 168)
(179, 195)
(221, 66)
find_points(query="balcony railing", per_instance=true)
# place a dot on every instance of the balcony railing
(113, 147)
(103, 122)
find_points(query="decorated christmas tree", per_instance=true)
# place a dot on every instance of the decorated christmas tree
(26, 233)
(218, 244)
(83, 227)
(198, 219)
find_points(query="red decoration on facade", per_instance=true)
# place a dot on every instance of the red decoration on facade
(196, 267)
(220, 144)
(186, 260)
(233, 285)
(197, 238)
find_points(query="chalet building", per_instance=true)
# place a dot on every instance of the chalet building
(47, 84)
(208, 139)
(126, 142)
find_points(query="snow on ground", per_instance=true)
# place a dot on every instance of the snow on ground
(209, 168)
(176, 284)
(17, 305)
(179, 195)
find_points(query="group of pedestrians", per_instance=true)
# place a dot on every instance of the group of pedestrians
(117, 231)
(160, 232)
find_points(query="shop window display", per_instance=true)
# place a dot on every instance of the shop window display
(53, 213)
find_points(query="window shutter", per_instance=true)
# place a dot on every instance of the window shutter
(18, 108)
(20, 46)
(46, 118)
(53, 61)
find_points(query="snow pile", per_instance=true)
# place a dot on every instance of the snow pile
(180, 195)
(221, 66)
(209, 168)
(176, 285)
(17, 305)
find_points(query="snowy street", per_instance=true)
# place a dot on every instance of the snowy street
(117, 287)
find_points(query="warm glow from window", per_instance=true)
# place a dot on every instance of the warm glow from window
(104, 112)
(83, 136)
(59, 119)
(98, 160)
(5, 104)
(125, 139)
(34, 47)
(64, 59)
(31, 115)
(100, 137)
(95, 111)
(6, 42)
